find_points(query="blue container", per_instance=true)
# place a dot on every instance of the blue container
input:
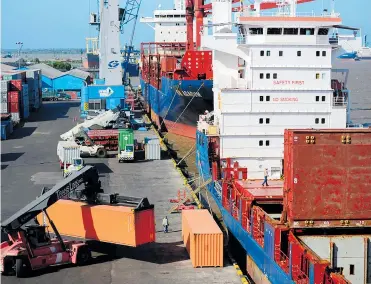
(3, 132)
(269, 239)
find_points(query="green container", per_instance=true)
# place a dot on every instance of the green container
(7, 77)
(126, 138)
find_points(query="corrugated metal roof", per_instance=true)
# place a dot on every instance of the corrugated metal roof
(77, 73)
(47, 70)
(5, 67)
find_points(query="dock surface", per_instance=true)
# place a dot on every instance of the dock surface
(29, 162)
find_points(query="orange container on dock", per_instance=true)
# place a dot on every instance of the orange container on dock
(203, 238)
(106, 223)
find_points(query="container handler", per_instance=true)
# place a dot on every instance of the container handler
(30, 246)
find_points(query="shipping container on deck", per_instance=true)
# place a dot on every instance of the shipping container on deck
(121, 225)
(327, 177)
(202, 238)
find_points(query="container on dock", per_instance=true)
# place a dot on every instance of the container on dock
(25, 102)
(327, 175)
(203, 238)
(6, 129)
(4, 107)
(152, 149)
(16, 118)
(67, 151)
(15, 85)
(4, 86)
(122, 225)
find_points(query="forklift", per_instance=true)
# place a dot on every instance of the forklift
(30, 247)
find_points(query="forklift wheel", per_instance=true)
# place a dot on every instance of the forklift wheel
(19, 267)
(101, 153)
(83, 255)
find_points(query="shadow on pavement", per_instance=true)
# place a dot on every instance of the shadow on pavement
(10, 157)
(53, 111)
(22, 132)
(160, 253)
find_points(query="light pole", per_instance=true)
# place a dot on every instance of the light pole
(20, 44)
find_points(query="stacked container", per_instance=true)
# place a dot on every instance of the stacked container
(6, 129)
(4, 96)
(25, 102)
(33, 77)
(203, 238)
(14, 100)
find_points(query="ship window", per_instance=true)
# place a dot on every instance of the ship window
(323, 121)
(261, 121)
(260, 142)
(323, 98)
(318, 53)
(268, 53)
(268, 76)
(280, 53)
(256, 31)
(323, 75)
(261, 76)
(317, 75)
(261, 98)
(261, 52)
(290, 31)
(351, 269)
(323, 31)
(274, 31)
(267, 98)
(317, 120)
(317, 98)
(299, 53)
(274, 75)
(323, 53)
(307, 31)
(266, 142)
(267, 120)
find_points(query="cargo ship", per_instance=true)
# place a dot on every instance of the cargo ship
(311, 222)
(176, 75)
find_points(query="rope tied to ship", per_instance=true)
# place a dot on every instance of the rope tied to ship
(175, 122)
(172, 100)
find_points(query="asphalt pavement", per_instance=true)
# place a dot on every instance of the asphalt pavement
(29, 162)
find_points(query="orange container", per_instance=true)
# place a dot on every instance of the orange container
(113, 224)
(203, 238)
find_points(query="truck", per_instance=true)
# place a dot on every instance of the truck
(126, 145)
(30, 246)
(52, 96)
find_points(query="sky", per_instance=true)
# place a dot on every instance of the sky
(64, 23)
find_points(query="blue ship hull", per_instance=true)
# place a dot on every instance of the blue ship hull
(262, 258)
(176, 107)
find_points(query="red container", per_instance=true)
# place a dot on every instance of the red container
(16, 85)
(14, 107)
(327, 177)
(14, 96)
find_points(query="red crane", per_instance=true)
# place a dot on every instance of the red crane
(198, 9)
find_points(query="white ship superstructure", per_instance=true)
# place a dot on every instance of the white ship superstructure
(169, 25)
(275, 73)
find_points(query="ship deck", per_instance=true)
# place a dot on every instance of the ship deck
(29, 162)
(254, 189)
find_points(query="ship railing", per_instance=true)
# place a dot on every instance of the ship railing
(282, 259)
(340, 100)
(300, 276)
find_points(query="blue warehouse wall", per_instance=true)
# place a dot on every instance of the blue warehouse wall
(68, 82)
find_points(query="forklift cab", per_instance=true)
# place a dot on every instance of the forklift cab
(37, 236)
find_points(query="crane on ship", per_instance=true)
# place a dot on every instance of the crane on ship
(131, 11)
(111, 21)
